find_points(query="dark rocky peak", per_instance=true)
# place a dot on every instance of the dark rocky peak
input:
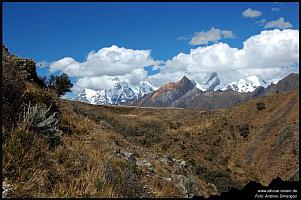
(184, 79)
(290, 82)
(212, 76)
(259, 91)
(292, 75)
(185, 82)
(289, 79)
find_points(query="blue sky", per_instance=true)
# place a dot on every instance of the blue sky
(51, 31)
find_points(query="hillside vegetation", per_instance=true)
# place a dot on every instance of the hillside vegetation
(61, 148)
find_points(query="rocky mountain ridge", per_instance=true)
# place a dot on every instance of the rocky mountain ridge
(130, 93)
(194, 98)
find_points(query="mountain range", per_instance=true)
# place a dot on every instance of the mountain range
(188, 93)
(121, 93)
(190, 97)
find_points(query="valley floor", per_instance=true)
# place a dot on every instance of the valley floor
(162, 152)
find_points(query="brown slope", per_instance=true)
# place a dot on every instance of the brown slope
(212, 144)
(272, 148)
(177, 153)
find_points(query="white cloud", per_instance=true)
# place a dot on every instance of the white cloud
(110, 61)
(67, 65)
(273, 48)
(105, 67)
(212, 35)
(136, 76)
(261, 22)
(107, 82)
(159, 79)
(227, 34)
(275, 9)
(261, 54)
(279, 23)
(269, 55)
(251, 13)
(183, 38)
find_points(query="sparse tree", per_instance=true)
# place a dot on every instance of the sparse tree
(61, 84)
(51, 82)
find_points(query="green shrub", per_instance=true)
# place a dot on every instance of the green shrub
(36, 118)
(260, 106)
(244, 130)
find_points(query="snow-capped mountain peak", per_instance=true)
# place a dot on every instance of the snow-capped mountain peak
(211, 83)
(91, 96)
(248, 84)
(120, 93)
(233, 81)
(144, 87)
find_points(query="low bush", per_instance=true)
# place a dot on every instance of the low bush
(37, 118)
(260, 106)
(244, 130)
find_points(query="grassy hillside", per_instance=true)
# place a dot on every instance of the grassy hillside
(118, 151)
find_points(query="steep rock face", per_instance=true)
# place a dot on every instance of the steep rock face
(166, 94)
(259, 91)
(290, 82)
(212, 82)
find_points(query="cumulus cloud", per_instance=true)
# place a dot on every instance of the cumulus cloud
(67, 65)
(107, 82)
(279, 23)
(212, 35)
(269, 55)
(110, 61)
(261, 54)
(103, 68)
(250, 13)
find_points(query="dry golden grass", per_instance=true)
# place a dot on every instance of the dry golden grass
(83, 164)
